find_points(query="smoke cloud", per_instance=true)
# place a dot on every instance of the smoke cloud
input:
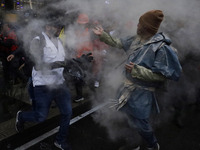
(181, 24)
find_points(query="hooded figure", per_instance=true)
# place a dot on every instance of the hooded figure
(150, 62)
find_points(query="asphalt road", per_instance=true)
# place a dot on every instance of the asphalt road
(88, 135)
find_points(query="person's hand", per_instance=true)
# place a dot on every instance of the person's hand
(129, 67)
(10, 57)
(98, 30)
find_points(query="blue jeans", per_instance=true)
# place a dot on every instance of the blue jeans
(30, 88)
(43, 97)
(31, 92)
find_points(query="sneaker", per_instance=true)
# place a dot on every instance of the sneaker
(79, 99)
(19, 126)
(96, 84)
(63, 146)
(157, 147)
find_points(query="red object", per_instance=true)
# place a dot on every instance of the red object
(11, 35)
(84, 43)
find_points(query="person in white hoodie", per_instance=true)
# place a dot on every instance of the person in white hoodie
(49, 84)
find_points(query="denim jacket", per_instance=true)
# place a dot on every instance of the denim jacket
(155, 61)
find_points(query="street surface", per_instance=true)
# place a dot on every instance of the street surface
(88, 135)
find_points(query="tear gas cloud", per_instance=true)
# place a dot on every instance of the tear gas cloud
(181, 17)
(181, 23)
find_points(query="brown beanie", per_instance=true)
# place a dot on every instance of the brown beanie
(151, 20)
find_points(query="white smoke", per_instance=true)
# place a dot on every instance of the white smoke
(181, 23)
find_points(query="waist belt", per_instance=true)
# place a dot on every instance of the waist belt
(125, 94)
(152, 89)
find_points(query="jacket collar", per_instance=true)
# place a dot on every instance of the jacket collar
(159, 37)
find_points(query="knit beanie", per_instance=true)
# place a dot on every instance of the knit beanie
(151, 20)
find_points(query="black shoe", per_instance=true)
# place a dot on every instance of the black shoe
(19, 126)
(62, 146)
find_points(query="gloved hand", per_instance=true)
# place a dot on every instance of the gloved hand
(58, 64)
(87, 57)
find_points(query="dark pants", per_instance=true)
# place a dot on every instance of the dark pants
(43, 97)
(79, 87)
(143, 127)
(145, 130)
(11, 68)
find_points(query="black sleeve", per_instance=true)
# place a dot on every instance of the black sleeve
(19, 51)
(8, 43)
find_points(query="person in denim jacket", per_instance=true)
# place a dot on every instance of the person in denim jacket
(150, 62)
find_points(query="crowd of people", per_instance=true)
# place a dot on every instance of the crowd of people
(50, 63)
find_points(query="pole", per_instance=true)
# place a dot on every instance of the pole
(30, 2)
